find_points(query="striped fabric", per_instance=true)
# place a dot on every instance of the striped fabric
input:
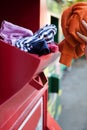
(46, 33)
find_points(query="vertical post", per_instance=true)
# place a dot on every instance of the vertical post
(45, 99)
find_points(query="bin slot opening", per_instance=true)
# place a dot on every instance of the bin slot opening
(39, 81)
(43, 78)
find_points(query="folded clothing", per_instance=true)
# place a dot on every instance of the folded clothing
(53, 47)
(38, 43)
(72, 46)
(26, 40)
(10, 32)
(33, 45)
(47, 32)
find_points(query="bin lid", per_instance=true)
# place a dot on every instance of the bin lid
(18, 67)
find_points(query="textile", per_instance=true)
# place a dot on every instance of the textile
(44, 35)
(10, 32)
(72, 47)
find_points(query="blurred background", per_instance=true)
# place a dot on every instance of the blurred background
(67, 86)
(67, 98)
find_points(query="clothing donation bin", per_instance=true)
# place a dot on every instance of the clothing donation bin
(23, 89)
(23, 84)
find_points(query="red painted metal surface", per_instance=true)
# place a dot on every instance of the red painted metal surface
(33, 120)
(29, 14)
(22, 81)
(15, 110)
(22, 84)
(18, 67)
(52, 124)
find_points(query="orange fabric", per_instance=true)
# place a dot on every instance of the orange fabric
(72, 46)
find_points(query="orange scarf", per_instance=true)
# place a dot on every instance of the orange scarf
(72, 46)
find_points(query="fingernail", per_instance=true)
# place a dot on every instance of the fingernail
(78, 33)
(83, 21)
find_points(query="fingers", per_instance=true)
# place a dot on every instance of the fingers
(83, 37)
(84, 24)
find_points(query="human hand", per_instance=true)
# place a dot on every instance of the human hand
(83, 37)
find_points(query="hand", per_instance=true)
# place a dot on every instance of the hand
(83, 37)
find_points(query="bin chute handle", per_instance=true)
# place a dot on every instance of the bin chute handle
(39, 81)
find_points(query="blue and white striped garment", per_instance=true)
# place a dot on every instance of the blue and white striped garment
(46, 33)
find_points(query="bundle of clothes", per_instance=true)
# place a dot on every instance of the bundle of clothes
(72, 47)
(41, 42)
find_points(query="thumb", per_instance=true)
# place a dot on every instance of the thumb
(83, 37)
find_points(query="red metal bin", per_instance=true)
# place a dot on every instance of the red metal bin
(23, 85)
(23, 89)
(18, 67)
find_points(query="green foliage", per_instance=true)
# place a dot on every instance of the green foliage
(56, 6)
(70, 2)
(53, 6)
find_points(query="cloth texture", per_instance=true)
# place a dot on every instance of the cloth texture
(47, 32)
(26, 40)
(72, 47)
(33, 45)
(10, 32)
(38, 43)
